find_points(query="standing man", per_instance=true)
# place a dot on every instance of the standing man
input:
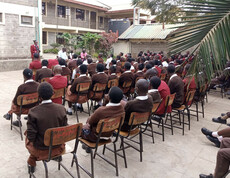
(34, 48)
(62, 54)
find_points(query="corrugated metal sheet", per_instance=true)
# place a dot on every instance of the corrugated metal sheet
(149, 31)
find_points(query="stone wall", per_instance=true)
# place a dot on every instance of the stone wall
(51, 40)
(32, 3)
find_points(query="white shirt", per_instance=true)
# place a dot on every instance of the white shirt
(113, 104)
(62, 55)
(44, 67)
(101, 72)
(174, 75)
(85, 62)
(108, 62)
(46, 101)
(139, 71)
(142, 97)
(113, 74)
(152, 90)
(30, 80)
(165, 64)
(82, 75)
(128, 71)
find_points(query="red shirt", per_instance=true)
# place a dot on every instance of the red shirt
(158, 70)
(164, 91)
(189, 85)
(33, 50)
(35, 64)
(58, 82)
(52, 62)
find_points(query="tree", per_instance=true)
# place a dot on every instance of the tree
(208, 31)
(166, 11)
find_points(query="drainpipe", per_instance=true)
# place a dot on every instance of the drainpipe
(40, 26)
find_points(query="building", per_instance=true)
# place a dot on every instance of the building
(143, 37)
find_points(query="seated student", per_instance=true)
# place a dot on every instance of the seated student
(52, 63)
(150, 73)
(91, 67)
(112, 109)
(58, 82)
(71, 94)
(142, 103)
(118, 68)
(223, 160)
(76, 71)
(176, 85)
(99, 77)
(100, 59)
(29, 86)
(40, 118)
(44, 72)
(139, 73)
(222, 119)
(153, 92)
(65, 70)
(112, 73)
(72, 63)
(36, 63)
(127, 75)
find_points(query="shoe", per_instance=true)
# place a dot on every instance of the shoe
(206, 176)
(31, 169)
(219, 120)
(26, 118)
(7, 116)
(69, 113)
(214, 140)
(206, 131)
(156, 118)
(223, 114)
(79, 108)
(87, 149)
(16, 123)
(57, 158)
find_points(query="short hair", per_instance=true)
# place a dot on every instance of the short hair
(62, 62)
(45, 91)
(100, 55)
(141, 66)
(127, 66)
(118, 57)
(100, 67)
(45, 62)
(28, 73)
(89, 60)
(159, 63)
(155, 82)
(171, 68)
(115, 95)
(83, 69)
(113, 61)
(111, 55)
(112, 69)
(79, 62)
(148, 66)
(75, 56)
(187, 66)
(36, 55)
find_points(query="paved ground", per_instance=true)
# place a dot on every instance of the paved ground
(179, 156)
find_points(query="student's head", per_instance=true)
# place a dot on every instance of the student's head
(64, 49)
(27, 74)
(155, 82)
(79, 62)
(100, 67)
(75, 56)
(89, 60)
(187, 66)
(118, 57)
(83, 50)
(115, 95)
(114, 62)
(36, 56)
(45, 91)
(141, 87)
(141, 66)
(62, 62)
(111, 55)
(57, 69)
(148, 66)
(112, 69)
(171, 69)
(127, 66)
(121, 53)
(35, 42)
(100, 55)
(45, 62)
(83, 69)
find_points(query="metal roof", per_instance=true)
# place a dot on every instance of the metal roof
(149, 31)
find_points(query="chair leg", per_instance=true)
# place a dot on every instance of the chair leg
(11, 122)
(163, 131)
(77, 116)
(46, 168)
(141, 145)
(103, 152)
(77, 165)
(179, 116)
(152, 130)
(197, 115)
(123, 149)
(170, 115)
(59, 161)
(92, 168)
(88, 107)
(202, 105)
(183, 121)
(115, 156)
(189, 122)
(20, 127)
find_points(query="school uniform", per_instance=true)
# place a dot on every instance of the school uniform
(154, 93)
(44, 72)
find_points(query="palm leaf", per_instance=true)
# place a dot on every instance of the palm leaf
(209, 32)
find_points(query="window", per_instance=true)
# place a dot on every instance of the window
(26, 20)
(80, 14)
(1, 18)
(61, 11)
(43, 8)
(101, 21)
(44, 37)
(60, 40)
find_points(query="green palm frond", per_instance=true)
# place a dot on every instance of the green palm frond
(208, 33)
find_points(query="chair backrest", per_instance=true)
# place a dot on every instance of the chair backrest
(112, 83)
(109, 124)
(127, 84)
(169, 100)
(61, 135)
(190, 96)
(155, 107)
(58, 93)
(137, 118)
(45, 79)
(83, 87)
(27, 99)
(34, 71)
(99, 87)
(138, 78)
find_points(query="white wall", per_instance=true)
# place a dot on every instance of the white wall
(121, 46)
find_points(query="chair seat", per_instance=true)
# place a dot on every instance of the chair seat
(132, 132)
(92, 144)
(180, 109)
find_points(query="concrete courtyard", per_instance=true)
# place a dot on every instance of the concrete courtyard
(177, 157)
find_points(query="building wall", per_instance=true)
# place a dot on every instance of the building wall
(121, 46)
(32, 3)
(16, 38)
(51, 38)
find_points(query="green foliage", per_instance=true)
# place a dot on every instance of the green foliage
(208, 30)
(55, 45)
(106, 42)
(53, 50)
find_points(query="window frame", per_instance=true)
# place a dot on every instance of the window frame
(45, 9)
(3, 18)
(60, 33)
(45, 44)
(24, 24)
(79, 18)
(103, 22)
(64, 11)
